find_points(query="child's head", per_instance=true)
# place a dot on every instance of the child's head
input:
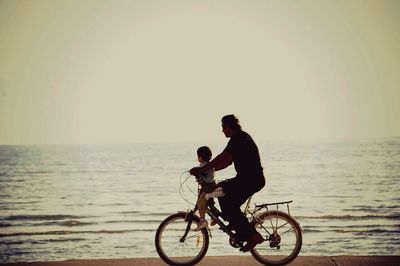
(204, 154)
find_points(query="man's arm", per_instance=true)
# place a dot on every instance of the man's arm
(220, 162)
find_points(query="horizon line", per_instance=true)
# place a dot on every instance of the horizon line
(322, 139)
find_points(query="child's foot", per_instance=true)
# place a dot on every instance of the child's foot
(202, 224)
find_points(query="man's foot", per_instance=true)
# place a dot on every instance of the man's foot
(202, 224)
(252, 242)
(213, 222)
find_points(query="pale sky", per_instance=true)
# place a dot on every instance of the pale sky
(149, 71)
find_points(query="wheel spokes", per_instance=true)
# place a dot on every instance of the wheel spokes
(171, 247)
(282, 244)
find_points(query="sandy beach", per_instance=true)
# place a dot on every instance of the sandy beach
(228, 260)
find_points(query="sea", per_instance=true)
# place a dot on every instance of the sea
(97, 201)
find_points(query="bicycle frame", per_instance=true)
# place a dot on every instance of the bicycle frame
(214, 213)
(175, 231)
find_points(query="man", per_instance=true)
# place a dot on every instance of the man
(243, 152)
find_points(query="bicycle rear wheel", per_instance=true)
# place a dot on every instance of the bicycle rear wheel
(168, 241)
(283, 238)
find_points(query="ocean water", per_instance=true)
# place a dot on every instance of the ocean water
(60, 202)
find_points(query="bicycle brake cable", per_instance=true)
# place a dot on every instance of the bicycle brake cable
(181, 191)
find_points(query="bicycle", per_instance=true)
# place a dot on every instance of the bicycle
(178, 244)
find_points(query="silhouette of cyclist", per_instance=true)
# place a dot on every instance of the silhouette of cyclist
(242, 151)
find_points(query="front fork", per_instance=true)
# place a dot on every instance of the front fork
(189, 219)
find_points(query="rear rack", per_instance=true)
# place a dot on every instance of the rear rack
(265, 205)
(275, 203)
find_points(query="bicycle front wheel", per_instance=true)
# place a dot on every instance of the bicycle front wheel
(173, 249)
(283, 238)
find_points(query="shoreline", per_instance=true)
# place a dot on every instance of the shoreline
(224, 260)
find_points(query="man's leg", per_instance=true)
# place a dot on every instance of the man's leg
(230, 207)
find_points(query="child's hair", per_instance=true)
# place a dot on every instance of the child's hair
(205, 153)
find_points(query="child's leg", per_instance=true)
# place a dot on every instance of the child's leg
(202, 205)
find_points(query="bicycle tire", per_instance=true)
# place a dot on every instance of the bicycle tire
(281, 259)
(166, 255)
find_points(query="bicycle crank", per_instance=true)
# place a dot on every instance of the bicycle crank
(235, 244)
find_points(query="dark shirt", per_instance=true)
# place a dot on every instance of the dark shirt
(246, 157)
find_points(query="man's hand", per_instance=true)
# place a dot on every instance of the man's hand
(196, 171)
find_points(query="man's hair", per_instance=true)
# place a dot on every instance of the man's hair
(205, 153)
(231, 121)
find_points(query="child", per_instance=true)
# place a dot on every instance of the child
(207, 182)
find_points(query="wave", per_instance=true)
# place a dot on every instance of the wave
(13, 174)
(63, 240)
(5, 225)
(377, 231)
(22, 242)
(144, 213)
(129, 212)
(74, 232)
(72, 223)
(20, 180)
(41, 217)
(10, 204)
(69, 223)
(351, 217)
(380, 208)
(36, 172)
(350, 226)
(90, 171)
(126, 247)
(114, 204)
(134, 221)
(356, 232)
(339, 197)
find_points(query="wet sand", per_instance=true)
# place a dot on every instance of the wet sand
(229, 260)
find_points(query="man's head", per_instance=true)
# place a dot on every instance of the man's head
(204, 154)
(230, 125)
